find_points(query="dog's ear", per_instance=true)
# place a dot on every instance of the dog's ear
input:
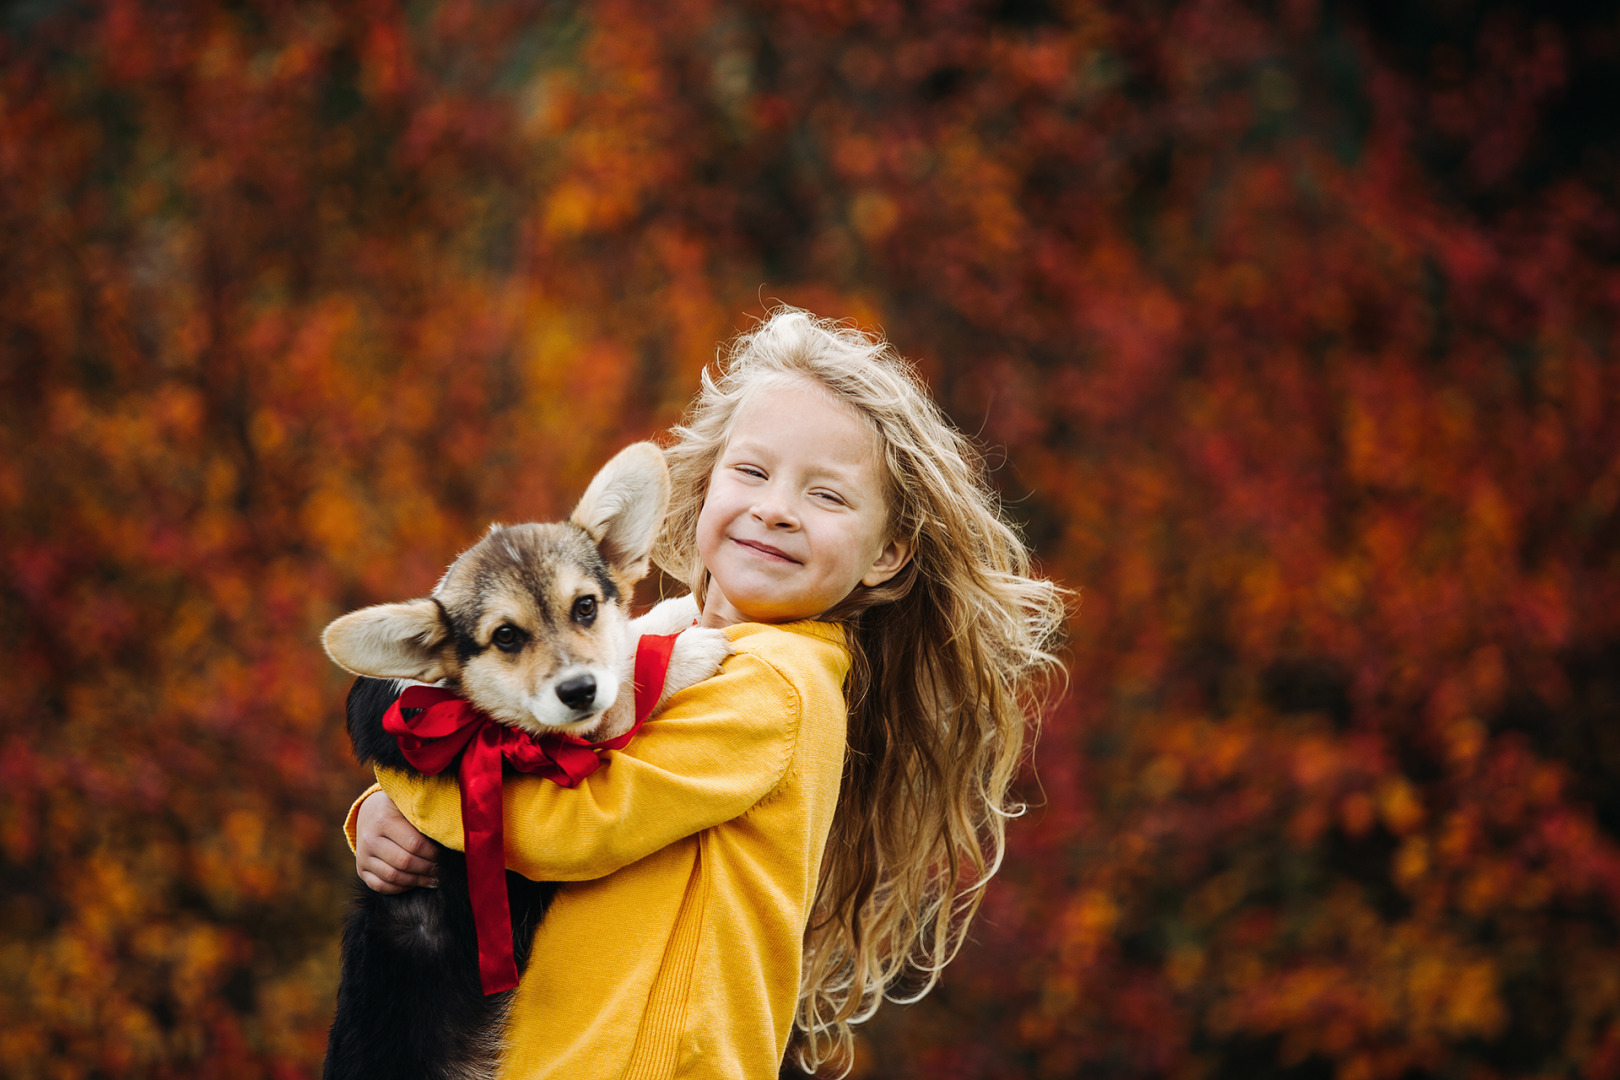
(624, 507)
(392, 641)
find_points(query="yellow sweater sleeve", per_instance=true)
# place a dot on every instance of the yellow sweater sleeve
(718, 748)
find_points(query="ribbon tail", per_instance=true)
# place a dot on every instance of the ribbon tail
(484, 828)
(653, 653)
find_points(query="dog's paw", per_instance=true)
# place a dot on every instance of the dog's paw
(698, 653)
(667, 616)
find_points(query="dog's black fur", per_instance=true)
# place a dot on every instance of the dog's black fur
(410, 960)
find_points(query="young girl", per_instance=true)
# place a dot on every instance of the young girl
(811, 829)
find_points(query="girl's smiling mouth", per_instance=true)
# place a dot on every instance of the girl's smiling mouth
(766, 550)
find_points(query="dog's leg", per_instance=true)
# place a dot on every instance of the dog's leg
(667, 616)
(698, 653)
(410, 1006)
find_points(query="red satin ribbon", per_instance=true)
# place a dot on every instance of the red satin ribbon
(449, 725)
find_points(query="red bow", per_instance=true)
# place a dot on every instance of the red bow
(447, 725)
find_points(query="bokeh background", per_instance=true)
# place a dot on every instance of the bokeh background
(1291, 327)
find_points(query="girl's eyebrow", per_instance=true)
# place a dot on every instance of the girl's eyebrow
(743, 446)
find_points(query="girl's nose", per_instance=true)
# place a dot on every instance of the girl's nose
(773, 512)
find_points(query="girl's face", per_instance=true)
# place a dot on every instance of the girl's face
(795, 516)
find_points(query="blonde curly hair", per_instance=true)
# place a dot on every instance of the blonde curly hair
(942, 691)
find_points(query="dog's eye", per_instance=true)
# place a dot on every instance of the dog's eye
(585, 610)
(508, 638)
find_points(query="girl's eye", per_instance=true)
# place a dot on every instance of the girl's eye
(749, 470)
(507, 638)
(585, 610)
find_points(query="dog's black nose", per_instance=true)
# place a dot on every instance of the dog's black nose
(578, 692)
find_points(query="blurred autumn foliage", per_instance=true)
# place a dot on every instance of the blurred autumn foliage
(1294, 324)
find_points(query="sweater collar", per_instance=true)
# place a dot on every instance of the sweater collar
(831, 633)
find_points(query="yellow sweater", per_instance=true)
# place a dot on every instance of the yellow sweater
(690, 861)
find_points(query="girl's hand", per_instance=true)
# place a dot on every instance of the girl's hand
(389, 854)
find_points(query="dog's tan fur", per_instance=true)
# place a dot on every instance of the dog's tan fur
(532, 613)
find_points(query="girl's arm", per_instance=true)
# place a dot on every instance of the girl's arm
(716, 750)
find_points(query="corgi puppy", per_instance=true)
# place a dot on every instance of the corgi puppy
(532, 626)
